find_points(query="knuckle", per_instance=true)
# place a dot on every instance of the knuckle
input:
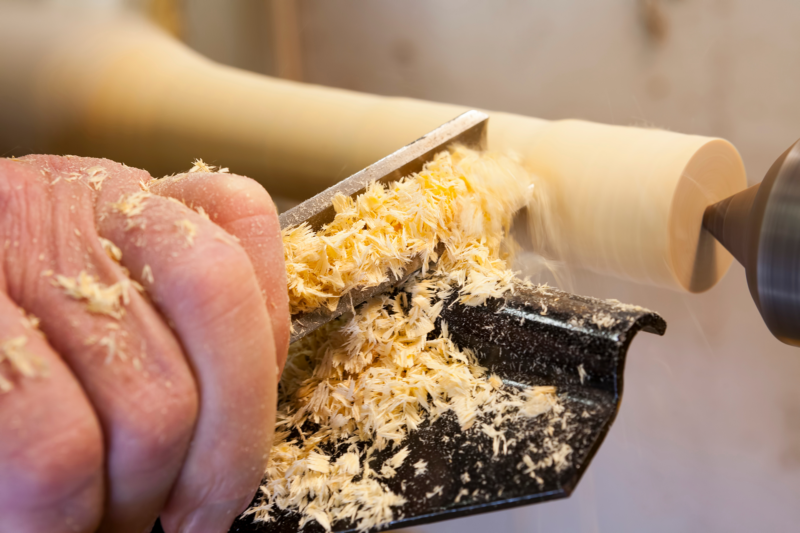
(241, 197)
(251, 194)
(218, 265)
(60, 462)
(212, 283)
(157, 431)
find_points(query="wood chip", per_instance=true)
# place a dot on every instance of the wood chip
(188, 229)
(373, 378)
(22, 361)
(99, 298)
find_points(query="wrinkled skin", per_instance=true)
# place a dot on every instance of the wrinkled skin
(178, 422)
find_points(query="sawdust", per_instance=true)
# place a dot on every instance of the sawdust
(582, 373)
(22, 361)
(31, 322)
(99, 298)
(111, 250)
(131, 205)
(462, 199)
(96, 177)
(188, 229)
(198, 165)
(147, 274)
(202, 212)
(112, 341)
(603, 320)
(365, 382)
(435, 492)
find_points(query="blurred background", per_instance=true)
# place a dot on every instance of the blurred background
(708, 436)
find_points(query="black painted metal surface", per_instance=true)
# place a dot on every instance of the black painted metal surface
(538, 336)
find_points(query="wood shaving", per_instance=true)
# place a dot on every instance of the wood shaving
(603, 320)
(387, 471)
(100, 299)
(96, 177)
(30, 321)
(22, 361)
(188, 229)
(318, 462)
(576, 322)
(369, 380)
(198, 165)
(111, 250)
(539, 400)
(114, 349)
(147, 274)
(555, 457)
(435, 492)
(202, 212)
(397, 460)
(114, 343)
(464, 199)
(131, 205)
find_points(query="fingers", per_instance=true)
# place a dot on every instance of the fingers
(203, 282)
(244, 209)
(127, 360)
(51, 448)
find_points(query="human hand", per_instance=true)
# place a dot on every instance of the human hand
(149, 385)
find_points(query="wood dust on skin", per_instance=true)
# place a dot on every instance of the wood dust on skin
(358, 386)
(15, 358)
(24, 363)
(16, 362)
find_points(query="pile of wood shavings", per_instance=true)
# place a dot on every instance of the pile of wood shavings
(361, 384)
(464, 200)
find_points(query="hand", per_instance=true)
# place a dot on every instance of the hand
(149, 385)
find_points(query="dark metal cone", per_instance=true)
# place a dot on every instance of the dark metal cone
(728, 221)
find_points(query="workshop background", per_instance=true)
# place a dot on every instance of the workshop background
(708, 435)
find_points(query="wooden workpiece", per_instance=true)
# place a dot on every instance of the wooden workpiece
(628, 201)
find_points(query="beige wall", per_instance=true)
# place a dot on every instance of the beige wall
(722, 67)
